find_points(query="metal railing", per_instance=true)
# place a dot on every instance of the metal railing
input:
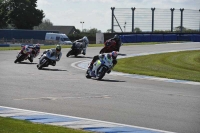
(154, 20)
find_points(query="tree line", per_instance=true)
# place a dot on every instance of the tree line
(20, 14)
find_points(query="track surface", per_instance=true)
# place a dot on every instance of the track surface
(64, 90)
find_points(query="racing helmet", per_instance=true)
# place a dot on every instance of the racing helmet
(116, 37)
(85, 39)
(37, 46)
(108, 56)
(58, 48)
(114, 54)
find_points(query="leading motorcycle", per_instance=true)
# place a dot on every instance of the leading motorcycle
(45, 60)
(100, 68)
(24, 54)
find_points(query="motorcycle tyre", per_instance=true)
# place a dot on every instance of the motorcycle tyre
(19, 59)
(102, 74)
(40, 66)
(69, 53)
(103, 50)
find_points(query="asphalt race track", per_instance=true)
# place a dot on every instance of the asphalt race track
(63, 89)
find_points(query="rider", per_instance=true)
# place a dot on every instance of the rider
(35, 52)
(28, 49)
(117, 40)
(54, 52)
(84, 42)
(112, 55)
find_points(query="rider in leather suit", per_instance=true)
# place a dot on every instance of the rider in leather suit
(113, 55)
(84, 44)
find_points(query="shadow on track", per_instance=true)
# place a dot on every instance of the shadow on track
(121, 54)
(109, 80)
(49, 69)
(28, 63)
(80, 57)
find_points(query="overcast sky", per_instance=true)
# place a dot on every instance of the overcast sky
(97, 13)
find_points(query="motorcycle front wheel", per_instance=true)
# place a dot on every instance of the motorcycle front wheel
(19, 59)
(102, 74)
(103, 50)
(69, 53)
(87, 75)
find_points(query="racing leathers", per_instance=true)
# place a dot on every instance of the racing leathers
(84, 43)
(54, 53)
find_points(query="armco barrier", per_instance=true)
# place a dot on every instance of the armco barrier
(157, 38)
(169, 37)
(133, 38)
(4, 45)
(195, 37)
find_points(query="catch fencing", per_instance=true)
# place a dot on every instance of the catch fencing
(152, 20)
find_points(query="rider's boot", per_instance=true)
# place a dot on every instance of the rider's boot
(84, 51)
(53, 63)
(90, 66)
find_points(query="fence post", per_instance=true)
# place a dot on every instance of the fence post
(112, 21)
(153, 9)
(133, 9)
(172, 18)
(181, 19)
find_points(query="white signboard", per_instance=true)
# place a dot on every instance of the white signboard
(99, 38)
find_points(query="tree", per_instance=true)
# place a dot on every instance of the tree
(46, 23)
(3, 16)
(94, 30)
(137, 30)
(22, 14)
(178, 29)
(110, 31)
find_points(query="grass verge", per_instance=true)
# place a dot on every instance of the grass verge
(90, 45)
(183, 65)
(9, 125)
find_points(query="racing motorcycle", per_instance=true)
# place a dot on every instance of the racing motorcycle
(100, 68)
(24, 54)
(45, 60)
(76, 49)
(109, 46)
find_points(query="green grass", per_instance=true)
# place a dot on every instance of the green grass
(9, 125)
(183, 65)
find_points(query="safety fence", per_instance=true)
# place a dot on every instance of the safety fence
(155, 20)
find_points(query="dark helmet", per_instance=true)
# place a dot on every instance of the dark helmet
(37, 46)
(58, 48)
(108, 56)
(116, 37)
